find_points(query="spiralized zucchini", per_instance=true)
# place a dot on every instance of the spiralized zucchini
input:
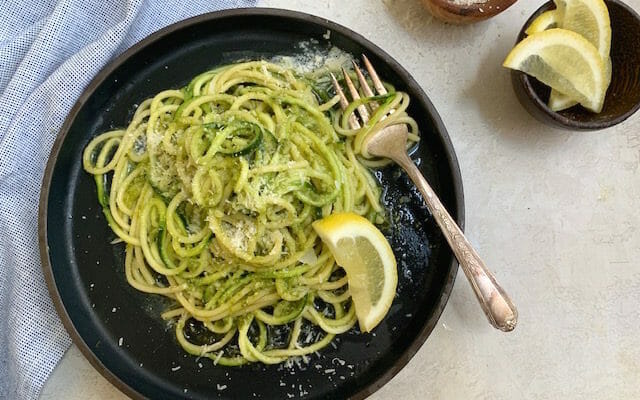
(213, 189)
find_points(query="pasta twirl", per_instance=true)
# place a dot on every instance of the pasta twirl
(213, 189)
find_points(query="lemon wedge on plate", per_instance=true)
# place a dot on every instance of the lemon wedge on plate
(366, 256)
(589, 18)
(565, 61)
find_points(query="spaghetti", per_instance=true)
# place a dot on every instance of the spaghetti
(213, 189)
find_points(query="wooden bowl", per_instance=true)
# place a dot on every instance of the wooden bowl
(456, 13)
(623, 95)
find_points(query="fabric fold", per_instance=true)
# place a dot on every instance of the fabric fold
(49, 56)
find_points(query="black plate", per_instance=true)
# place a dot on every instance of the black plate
(85, 273)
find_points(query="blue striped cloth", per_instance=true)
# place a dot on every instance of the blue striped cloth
(49, 51)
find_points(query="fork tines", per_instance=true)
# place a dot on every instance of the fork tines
(377, 83)
(355, 95)
(362, 109)
(344, 103)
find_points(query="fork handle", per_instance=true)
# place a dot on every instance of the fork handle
(495, 303)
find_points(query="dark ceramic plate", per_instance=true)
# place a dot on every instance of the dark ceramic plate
(119, 329)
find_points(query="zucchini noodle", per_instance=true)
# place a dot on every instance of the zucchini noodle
(213, 189)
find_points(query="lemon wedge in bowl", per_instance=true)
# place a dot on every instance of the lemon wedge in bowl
(366, 256)
(589, 18)
(565, 61)
(547, 20)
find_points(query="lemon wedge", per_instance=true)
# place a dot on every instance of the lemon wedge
(366, 256)
(565, 61)
(589, 18)
(547, 20)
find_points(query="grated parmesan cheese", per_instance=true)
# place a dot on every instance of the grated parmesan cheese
(311, 58)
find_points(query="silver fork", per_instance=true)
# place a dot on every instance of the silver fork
(391, 142)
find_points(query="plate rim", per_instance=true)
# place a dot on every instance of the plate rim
(89, 90)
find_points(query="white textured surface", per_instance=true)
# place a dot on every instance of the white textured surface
(555, 214)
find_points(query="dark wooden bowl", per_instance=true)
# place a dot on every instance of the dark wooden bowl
(623, 96)
(449, 11)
